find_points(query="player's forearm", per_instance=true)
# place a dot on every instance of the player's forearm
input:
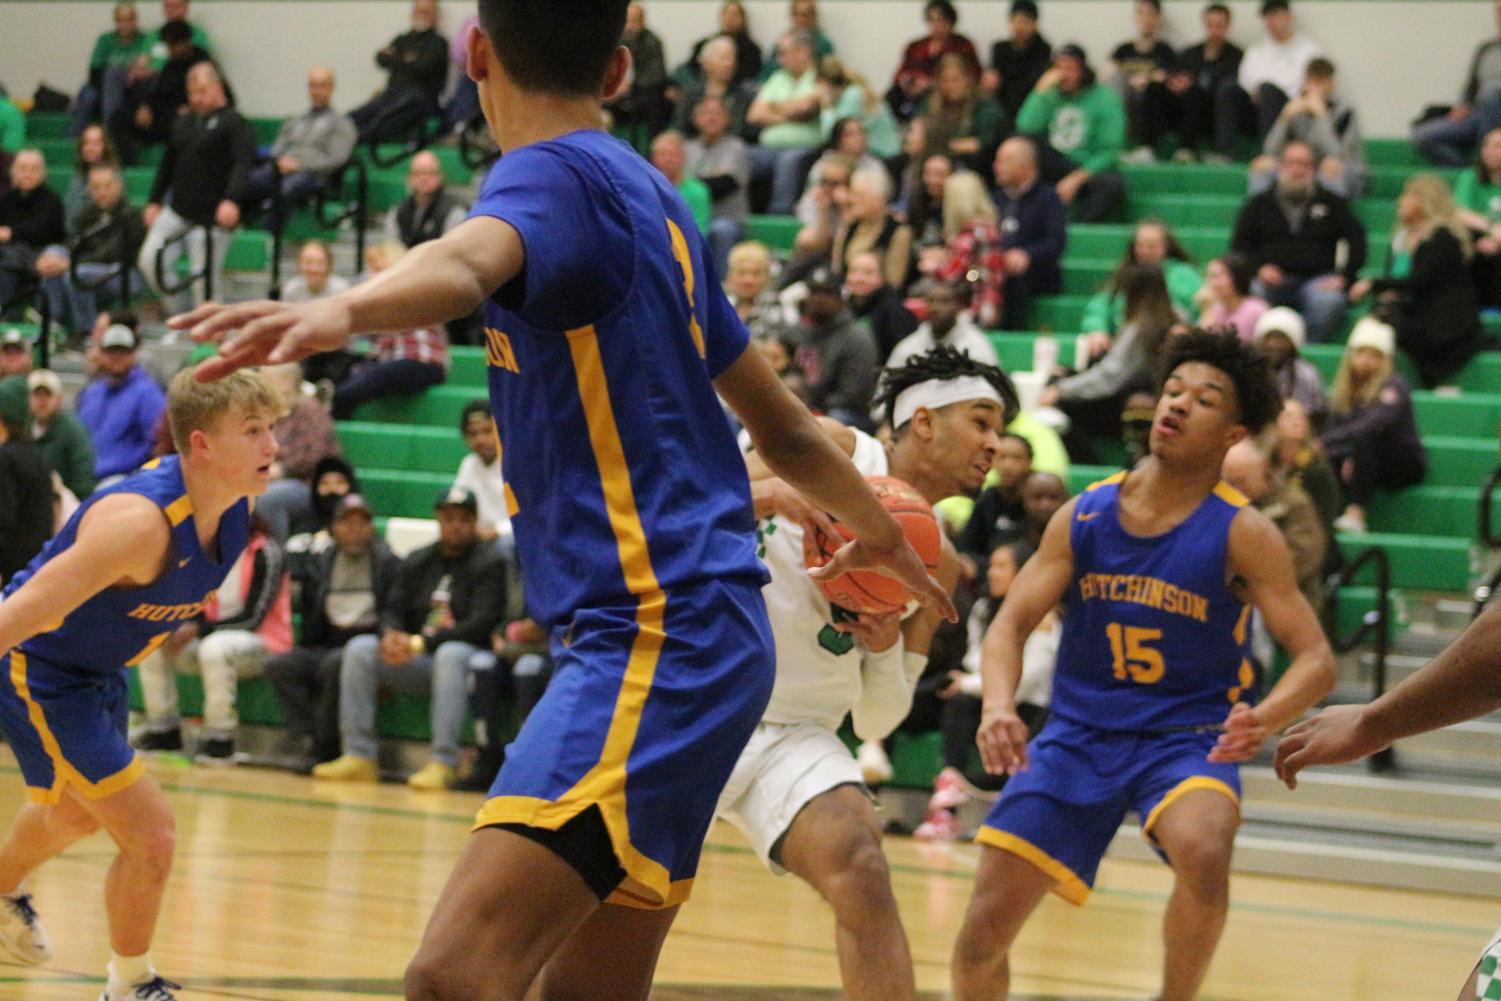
(1309, 678)
(432, 284)
(885, 694)
(1001, 660)
(1461, 683)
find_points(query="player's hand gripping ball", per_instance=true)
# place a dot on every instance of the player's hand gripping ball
(867, 590)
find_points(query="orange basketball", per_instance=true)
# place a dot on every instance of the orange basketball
(866, 590)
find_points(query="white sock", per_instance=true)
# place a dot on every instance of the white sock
(127, 971)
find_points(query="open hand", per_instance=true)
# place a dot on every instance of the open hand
(1244, 734)
(259, 333)
(1002, 739)
(1333, 737)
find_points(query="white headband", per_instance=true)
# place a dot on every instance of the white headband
(937, 393)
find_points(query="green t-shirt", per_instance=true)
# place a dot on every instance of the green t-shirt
(109, 51)
(783, 86)
(696, 193)
(1088, 127)
(881, 133)
(12, 127)
(1470, 193)
(1107, 311)
(159, 47)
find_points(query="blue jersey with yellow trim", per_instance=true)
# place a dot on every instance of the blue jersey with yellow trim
(1154, 639)
(620, 465)
(119, 626)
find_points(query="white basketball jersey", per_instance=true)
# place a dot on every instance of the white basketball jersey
(818, 667)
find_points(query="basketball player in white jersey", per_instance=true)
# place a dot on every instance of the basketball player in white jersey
(796, 792)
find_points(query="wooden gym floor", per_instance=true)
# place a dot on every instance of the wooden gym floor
(290, 890)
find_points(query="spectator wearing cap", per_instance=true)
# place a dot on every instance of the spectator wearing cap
(120, 407)
(1306, 244)
(1080, 128)
(480, 471)
(1273, 69)
(59, 436)
(31, 220)
(837, 356)
(344, 592)
(949, 325)
(1279, 335)
(446, 601)
(15, 354)
(1372, 438)
(108, 233)
(1033, 226)
(26, 513)
(1018, 62)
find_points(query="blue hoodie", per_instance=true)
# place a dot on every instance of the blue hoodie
(122, 420)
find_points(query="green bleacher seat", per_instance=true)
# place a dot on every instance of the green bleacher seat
(40, 127)
(467, 367)
(1393, 153)
(1058, 312)
(1460, 462)
(410, 447)
(249, 250)
(1419, 562)
(1430, 510)
(777, 232)
(402, 494)
(438, 407)
(1186, 179)
(1470, 415)
(265, 129)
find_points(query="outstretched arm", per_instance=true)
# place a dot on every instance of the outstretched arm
(123, 540)
(433, 283)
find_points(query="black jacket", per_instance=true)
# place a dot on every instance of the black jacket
(1035, 222)
(1211, 74)
(317, 631)
(1020, 69)
(1263, 235)
(417, 60)
(1436, 313)
(108, 237)
(206, 162)
(25, 506)
(477, 595)
(35, 218)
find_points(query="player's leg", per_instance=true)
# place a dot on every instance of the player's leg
(612, 954)
(1469, 991)
(508, 907)
(41, 832)
(1008, 889)
(140, 821)
(834, 844)
(1197, 832)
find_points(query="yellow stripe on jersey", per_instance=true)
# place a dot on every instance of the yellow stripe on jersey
(1107, 481)
(178, 511)
(62, 771)
(512, 508)
(609, 455)
(1230, 495)
(1066, 883)
(1193, 783)
(685, 261)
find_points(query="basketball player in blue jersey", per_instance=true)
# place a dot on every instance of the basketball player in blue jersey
(610, 344)
(136, 560)
(1158, 569)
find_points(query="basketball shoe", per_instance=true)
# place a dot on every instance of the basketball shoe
(21, 931)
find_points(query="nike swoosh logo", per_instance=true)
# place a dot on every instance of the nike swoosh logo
(1088, 517)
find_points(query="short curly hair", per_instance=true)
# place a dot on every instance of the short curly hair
(939, 364)
(1258, 401)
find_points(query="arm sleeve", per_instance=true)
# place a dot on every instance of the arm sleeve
(1243, 239)
(1052, 237)
(1035, 114)
(1097, 313)
(163, 179)
(885, 694)
(1375, 419)
(79, 474)
(1109, 133)
(393, 604)
(1434, 262)
(1276, 138)
(1471, 88)
(1109, 375)
(242, 159)
(1354, 234)
(577, 237)
(9, 501)
(338, 147)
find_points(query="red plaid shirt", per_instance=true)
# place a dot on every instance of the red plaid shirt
(428, 345)
(975, 255)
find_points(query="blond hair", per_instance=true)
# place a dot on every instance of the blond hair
(1345, 396)
(1437, 201)
(750, 252)
(197, 406)
(966, 200)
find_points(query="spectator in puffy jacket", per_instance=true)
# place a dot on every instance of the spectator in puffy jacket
(120, 407)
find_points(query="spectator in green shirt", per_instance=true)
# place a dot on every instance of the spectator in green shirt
(1080, 128)
(121, 59)
(668, 156)
(60, 436)
(1152, 243)
(12, 129)
(787, 113)
(1477, 193)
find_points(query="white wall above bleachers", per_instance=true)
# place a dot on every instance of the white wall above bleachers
(1394, 55)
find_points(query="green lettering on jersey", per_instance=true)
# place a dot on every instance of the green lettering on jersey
(833, 640)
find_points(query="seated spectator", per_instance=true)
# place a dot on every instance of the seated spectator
(199, 185)
(837, 356)
(1018, 62)
(1279, 336)
(803, 16)
(92, 149)
(786, 111)
(1080, 127)
(1452, 140)
(446, 600)
(12, 135)
(1227, 300)
(1426, 291)
(15, 359)
(1202, 101)
(641, 103)
(1322, 119)
(1478, 195)
(400, 364)
(416, 65)
(150, 109)
(480, 471)
(1033, 227)
(718, 79)
(669, 156)
(1372, 439)
(333, 478)
(1093, 399)
(309, 149)
(974, 252)
(958, 119)
(429, 209)
(26, 516)
(107, 236)
(998, 517)
(121, 58)
(1139, 70)
(58, 434)
(948, 324)
(847, 102)
(31, 220)
(957, 783)
(1298, 456)
(719, 159)
(918, 72)
(306, 435)
(869, 225)
(875, 305)
(175, 12)
(821, 209)
(748, 285)
(248, 620)
(925, 210)
(1154, 244)
(344, 592)
(512, 676)
(1273, 69)
(120, 407)
(315, 278)
(848, 142)
(734, 25)
(1305, 241)
(1249, 468)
